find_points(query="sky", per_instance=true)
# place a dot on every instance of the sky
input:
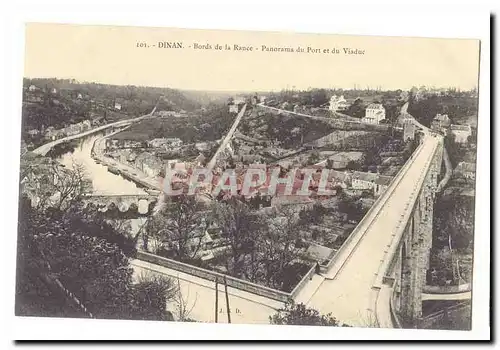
(113, 55)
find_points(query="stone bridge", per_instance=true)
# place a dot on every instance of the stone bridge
(143, 204)
(376, 278)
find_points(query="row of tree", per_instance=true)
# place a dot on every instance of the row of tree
(261, 248)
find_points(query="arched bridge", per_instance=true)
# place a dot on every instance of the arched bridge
(143, 204)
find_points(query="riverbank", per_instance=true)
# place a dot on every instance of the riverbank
(151, 185)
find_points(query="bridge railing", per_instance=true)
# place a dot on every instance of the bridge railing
(372, 214)
(385, 266)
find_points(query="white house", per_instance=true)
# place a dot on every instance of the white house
(441, 122)
(118, 106)
(461, 132)
(363, 181)
(233, 108)
(32, 88)
(374, 113)
(338, 103)
(165, 142)
(370, 181)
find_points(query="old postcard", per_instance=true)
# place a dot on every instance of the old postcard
(247, 177)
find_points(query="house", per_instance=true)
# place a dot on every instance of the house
(32, 88)
(408, 131)
(403, 96)
(337, 161)
(405, 118)
(119, 143)
(202, 146)
(441, 122)
(164, 114)
(293, 199)
(338, 103)
(118, 106)
(148, 164)
(363, 181)
(339, 178)
(374, 113)
(79, 96)
(234, 108)
(54, 91)
(170, 142)
(33, 132)
(466, 170)
(461, 132)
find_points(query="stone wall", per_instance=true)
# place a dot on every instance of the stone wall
(231, 281)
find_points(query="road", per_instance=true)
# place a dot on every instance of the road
(228, 137)
(310, 116)
(42, 150)
(350, 290)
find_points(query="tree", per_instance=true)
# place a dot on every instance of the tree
(357, 109)
(352, 207)
(49, 184)
(238, 226)
(299, 314)
(150, 296)
(279, 244)
(181, 225)
(51, 256)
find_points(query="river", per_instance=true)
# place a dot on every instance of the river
(103, 181)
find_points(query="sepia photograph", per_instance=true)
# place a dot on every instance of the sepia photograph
(245, 177)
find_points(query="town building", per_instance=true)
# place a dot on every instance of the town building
(79, 96)
(461, 132)
(338, 103)
(403, 96)
(54, 91)
(166, 143)
(32, 88)
(164, 114)
(203, 146)
(370, 181)
(120, 143)
(118, 106)
(374, 113)
(441, 123)
(233, 108)
(408, 131)
(148, 164)
(466, 170)
(363, 181)
(405, 118)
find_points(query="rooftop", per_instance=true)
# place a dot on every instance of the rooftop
(371, 177)
(460, 127)
(375, 106)
(465, 167)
